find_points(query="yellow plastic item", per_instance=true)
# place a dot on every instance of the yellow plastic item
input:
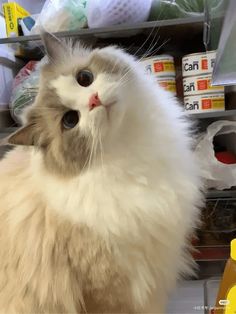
(231, 297)
(226, 299)
(233, 249)
(12, 13)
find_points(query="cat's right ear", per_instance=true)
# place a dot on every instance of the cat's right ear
(54, 47)
(26, 136)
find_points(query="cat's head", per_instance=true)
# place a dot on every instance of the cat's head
(84, 99)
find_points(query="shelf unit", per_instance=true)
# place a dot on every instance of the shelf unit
(187, 23)
(213, 115)
(217, 194)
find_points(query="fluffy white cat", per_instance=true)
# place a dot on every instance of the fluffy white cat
(100, 197)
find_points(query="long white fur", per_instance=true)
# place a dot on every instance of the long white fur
(142, 195)
(145, 193)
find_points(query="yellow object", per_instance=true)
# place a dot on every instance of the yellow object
(233, 249)
(12, 13)
(226, 299)
(231, 297)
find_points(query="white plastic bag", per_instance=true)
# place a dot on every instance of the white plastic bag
(217, 174)
(102, 13)
(61, 15)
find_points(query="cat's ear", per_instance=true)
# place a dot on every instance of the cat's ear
(54, 47)
(24, 136)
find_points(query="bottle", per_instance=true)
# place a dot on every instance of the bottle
(226, 299)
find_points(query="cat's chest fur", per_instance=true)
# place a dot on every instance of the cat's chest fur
(99, 242)
(65, 241)
(115, 210)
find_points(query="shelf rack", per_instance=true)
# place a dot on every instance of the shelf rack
(216, 114)
(187, 23)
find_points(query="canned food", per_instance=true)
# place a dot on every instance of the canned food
(198, 63)
(204, 103)
(159, 66)
(200, 85)
(168, 83)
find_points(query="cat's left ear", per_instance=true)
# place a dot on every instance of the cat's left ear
(54, 47)
(26, 136)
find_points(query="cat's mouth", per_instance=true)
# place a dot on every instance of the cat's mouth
(107, 106)
(101, 107)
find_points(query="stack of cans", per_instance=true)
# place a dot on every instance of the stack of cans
(199, 94)
(163, 69)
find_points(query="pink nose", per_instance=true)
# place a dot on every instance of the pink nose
(94, 101)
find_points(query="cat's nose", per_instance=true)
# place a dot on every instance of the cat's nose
(94, 101)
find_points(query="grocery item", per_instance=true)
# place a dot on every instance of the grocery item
(25, 89)
(169, 9)
(12, 13)
(27, 23)
(196, 85)
(159, 66)
(226, 298)
(168, 83)
(102, 13)
(200, 84)
(163, 69)
(216, 174)
(63, 15)
(6, 75)
(204, 103)
(198, 63)
(199, 93)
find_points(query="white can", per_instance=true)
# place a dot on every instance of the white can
(200, 85)
(204, 103)
(168, 83)
(198, 63)
(159, 66)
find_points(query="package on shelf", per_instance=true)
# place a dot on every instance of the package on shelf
(162, 67)
(103, 13)
(168, 83)
(159, 66)
(6, 76)
(197, 85)
(216, 174)
(198, 63)
(199, 93)
(13, 12)
(204, 103)
(64, 15)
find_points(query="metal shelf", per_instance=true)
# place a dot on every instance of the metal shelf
(216, 114)
(215, 194)
(114, 30)
(6, 131)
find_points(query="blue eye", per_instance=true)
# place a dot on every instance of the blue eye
(84, 78)
(70, 119)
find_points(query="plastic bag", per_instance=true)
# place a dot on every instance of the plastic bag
(61, 15)
(173, 9)
(102, 13)
(217, 174)
(25, 89)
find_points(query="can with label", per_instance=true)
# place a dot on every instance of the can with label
(196, 85)
(204, 103)
(198, 63)
(159, 66)
(168, 83)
